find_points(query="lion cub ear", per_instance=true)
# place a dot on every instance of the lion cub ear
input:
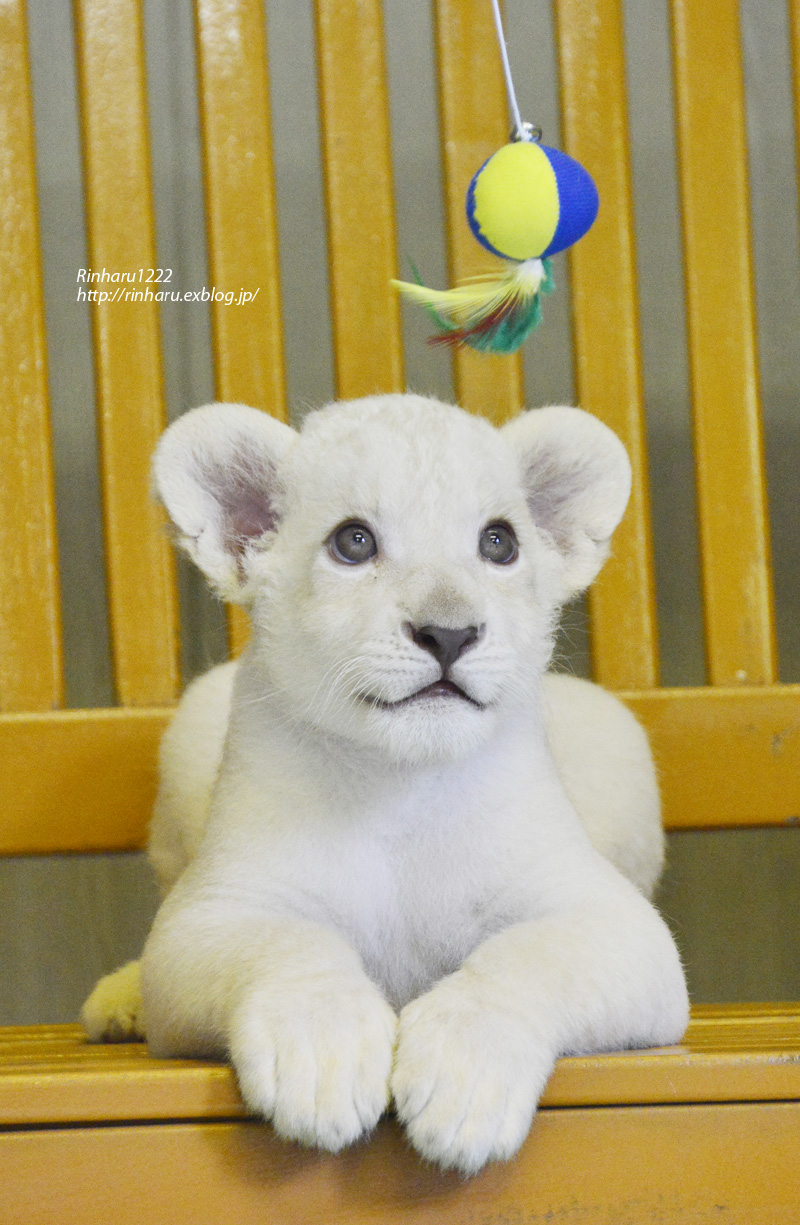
(216, 470)
(577, 480)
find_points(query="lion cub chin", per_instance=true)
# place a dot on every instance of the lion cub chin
(400, 863)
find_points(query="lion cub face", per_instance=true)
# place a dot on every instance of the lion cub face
(403, 561)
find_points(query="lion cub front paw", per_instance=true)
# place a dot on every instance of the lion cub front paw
(316, 1061)
(114, 1012)
(467, 1077)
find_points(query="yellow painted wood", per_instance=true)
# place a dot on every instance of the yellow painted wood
(85, 780)
(238, 630)
(726, 756)
(474, 124)
(240, 202)
(668, 1164)
(709, 99)
(51, 1074)
(673, 1134)
(30, 628)
(731, 1053)
(130, 402)
(606, 328)
(78, 780)
(241, 215)
(354, 119)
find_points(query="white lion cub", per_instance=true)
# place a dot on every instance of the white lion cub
(377, 884)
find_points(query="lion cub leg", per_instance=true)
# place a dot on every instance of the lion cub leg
(113, 1012)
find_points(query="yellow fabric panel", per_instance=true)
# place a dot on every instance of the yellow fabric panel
(30, 629)
(130, 401)
(354, 118)
(475, 124)
(240, 203)
(709, 99)
(606, 329)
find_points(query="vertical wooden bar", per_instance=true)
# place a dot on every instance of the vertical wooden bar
(241, 213)
(475, 123)
(30, 630)
(358, 180)
(240, 202)
(709, 95)
(125, 319)
(606, 327)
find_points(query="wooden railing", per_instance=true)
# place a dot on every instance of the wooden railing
(729, 752)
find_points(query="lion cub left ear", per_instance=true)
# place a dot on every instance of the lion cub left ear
(577, 480)
(217, 472)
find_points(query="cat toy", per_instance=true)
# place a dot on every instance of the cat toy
(526, 203)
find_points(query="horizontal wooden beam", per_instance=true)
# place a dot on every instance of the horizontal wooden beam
(78, 780)
(52, 1075)
(84, 780)
(726, 757)
(186, 1154)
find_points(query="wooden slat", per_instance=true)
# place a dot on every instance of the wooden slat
(698, 1134)
(130, 402)
(78, 780)
(51, 1074)
(30, 629)
(354, 118)
(606, 329)
(475, 123)
(240, 202)
(734, 1053)
(709, 97)
(85, 780)
(670, 1164)
(726, 757)
(241, 214)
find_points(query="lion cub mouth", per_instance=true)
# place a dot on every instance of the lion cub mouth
(437, 689)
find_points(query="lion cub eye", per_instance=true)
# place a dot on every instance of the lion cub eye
(498, 544)
(352, 543)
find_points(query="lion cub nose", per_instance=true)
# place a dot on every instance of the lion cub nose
(444, 644)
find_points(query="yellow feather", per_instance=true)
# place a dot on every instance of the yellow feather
(480, 295)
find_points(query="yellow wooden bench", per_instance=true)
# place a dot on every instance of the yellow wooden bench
(707, 1131)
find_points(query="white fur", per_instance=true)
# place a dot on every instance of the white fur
(389, 895)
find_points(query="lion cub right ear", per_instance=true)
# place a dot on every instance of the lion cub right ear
(216, 470)
(577, 479)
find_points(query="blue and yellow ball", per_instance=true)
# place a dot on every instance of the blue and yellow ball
(529, 201)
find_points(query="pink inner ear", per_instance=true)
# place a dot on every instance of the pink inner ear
(251, 518)
(248, 519)
(245, 492)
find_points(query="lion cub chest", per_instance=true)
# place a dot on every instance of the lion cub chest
(413, 902)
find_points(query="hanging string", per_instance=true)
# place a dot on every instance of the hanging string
(522, 131)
